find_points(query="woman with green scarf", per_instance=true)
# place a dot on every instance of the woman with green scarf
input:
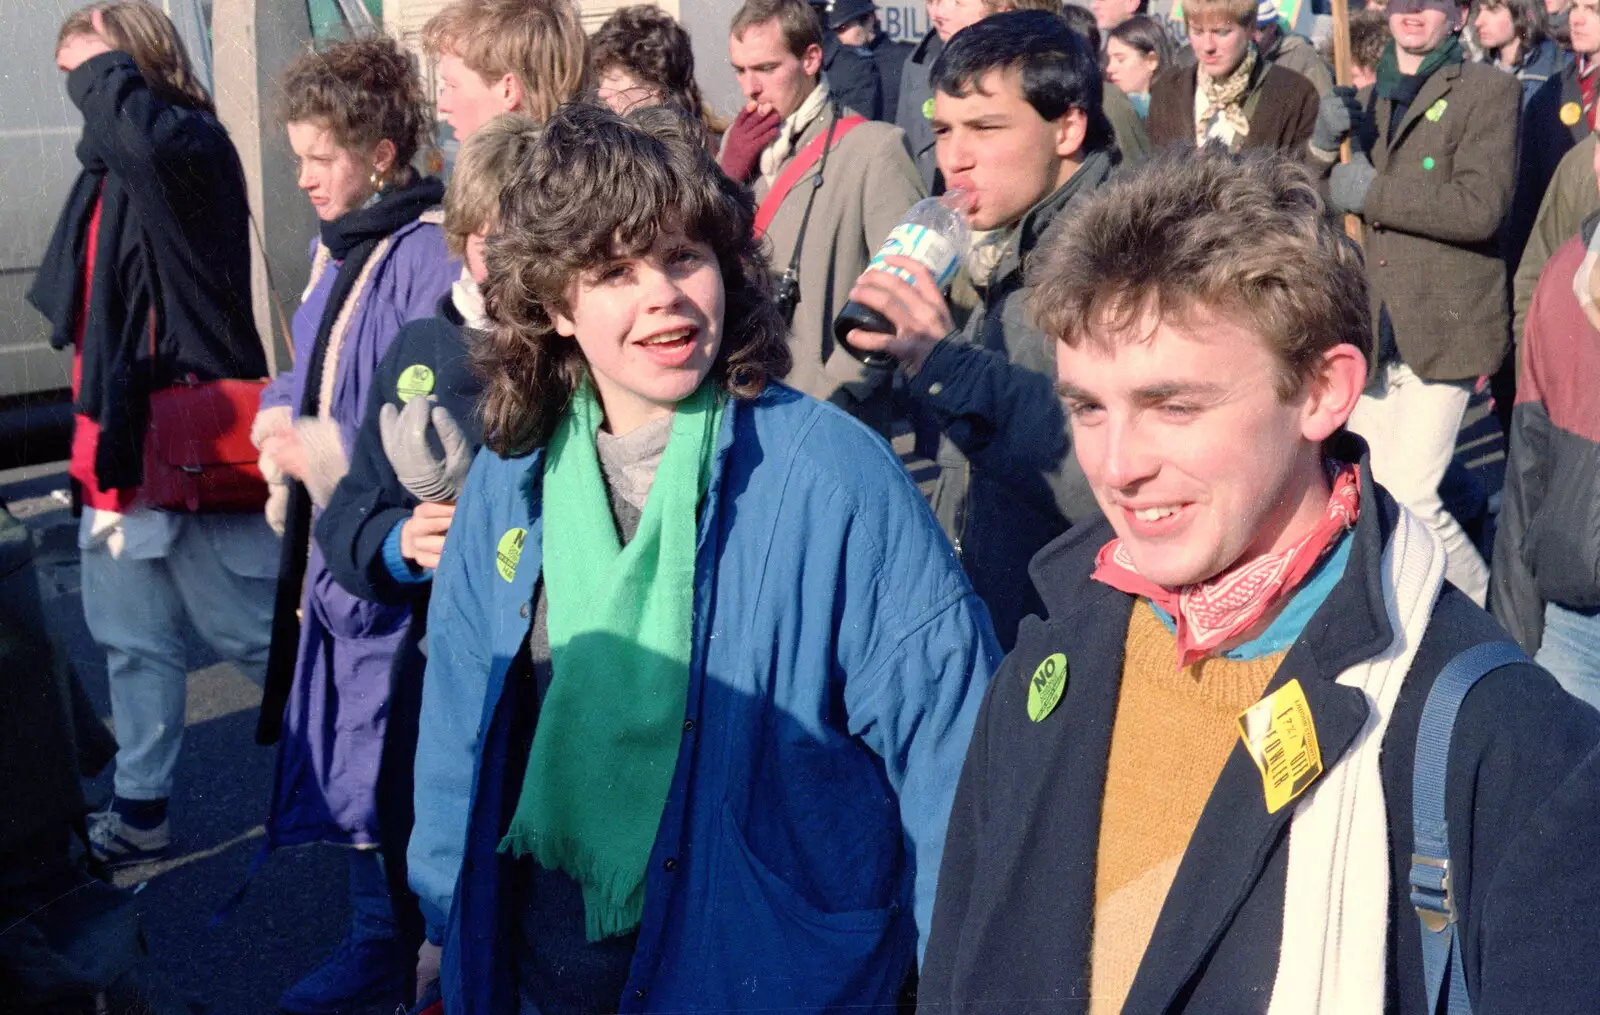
(702, 667)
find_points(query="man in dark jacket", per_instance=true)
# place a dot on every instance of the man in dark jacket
(1556, 116)
(1017, 112)
(1577, 79)
(1546, 586)
(1432, 178)
(914, 109)
(863, 65)
(1190, 788)
(914, 113)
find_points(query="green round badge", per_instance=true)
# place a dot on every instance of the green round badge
(1427, 163)
(415, 380)
(1048, 684)
(927, 109)
(509, 552)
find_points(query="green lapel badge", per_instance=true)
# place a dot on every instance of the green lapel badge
(1045, 689)
(1435, 112)
(509, 553)
(415, 380)
(1428, 163)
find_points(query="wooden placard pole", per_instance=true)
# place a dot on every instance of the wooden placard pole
(1342, 76)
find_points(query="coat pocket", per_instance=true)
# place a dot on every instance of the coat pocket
(349, 617)
(1563, 541)
(791, 954)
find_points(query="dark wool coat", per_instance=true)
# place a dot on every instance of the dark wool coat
(1016, 890)
(183, 254)
(913, 109)
(1008, 481)
(1548, 545)
(1280, 105)
(1434, 215)
(1543, 139)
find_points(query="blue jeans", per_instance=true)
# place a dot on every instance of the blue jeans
(216, 571)
(1571, 650)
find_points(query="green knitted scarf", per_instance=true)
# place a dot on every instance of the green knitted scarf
(620, 620)
(1403, 88)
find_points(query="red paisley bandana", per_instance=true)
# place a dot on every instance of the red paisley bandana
(1222, 608)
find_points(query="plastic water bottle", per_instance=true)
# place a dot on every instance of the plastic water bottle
(934, 232)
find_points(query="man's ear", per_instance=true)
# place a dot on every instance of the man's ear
(512, 97)
(1332, 392)
(811, 60)
(1071, 129)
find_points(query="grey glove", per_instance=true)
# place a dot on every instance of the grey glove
(1348, 184)
(1337, 116)
(432, 465)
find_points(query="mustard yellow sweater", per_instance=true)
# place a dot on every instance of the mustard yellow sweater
(1174, 731)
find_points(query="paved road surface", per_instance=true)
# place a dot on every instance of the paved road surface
(296, 910)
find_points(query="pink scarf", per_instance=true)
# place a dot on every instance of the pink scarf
(1221, 608)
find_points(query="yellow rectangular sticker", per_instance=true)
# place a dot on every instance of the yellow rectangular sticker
(1280, 736)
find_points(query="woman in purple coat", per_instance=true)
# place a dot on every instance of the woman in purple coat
(355, 120)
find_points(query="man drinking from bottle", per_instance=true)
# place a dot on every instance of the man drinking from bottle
(1018, 126)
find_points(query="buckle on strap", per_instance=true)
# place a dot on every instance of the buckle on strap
(1430, 892)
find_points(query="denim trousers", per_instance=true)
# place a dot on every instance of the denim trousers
(1570, 650)
(216, 572)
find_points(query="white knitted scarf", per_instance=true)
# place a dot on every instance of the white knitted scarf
(774, 155)
(1332, 957)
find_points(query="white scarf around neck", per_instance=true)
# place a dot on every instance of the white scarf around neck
(1332, 958)
(774, 155)
(468, 300)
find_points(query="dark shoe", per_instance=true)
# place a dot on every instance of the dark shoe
(358, 974)
(114, 842)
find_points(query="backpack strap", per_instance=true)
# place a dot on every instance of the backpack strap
(800, 166)
(1430, 833)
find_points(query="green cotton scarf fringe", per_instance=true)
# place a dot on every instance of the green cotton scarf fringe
(620, 621)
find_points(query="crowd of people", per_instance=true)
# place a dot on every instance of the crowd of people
(598, 619)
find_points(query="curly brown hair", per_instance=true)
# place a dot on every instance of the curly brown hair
(364, 90)
(653, 48)
(596, 186)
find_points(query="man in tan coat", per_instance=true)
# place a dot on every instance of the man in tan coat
(867, 183)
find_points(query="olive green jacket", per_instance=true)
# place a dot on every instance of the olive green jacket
(1573, 195)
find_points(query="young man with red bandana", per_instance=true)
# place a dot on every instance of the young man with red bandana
(1190, 788)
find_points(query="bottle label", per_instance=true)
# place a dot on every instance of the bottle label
(920, 244)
